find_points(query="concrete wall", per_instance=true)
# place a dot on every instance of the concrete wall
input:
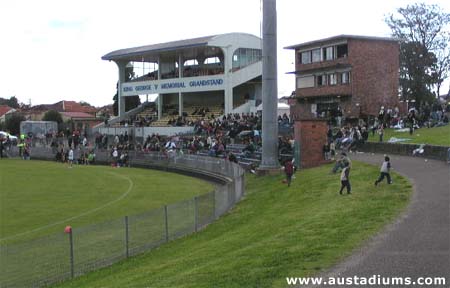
(430, 151)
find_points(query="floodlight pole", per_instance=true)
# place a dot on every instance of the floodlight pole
(269, 87)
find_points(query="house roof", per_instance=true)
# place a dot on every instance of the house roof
(64, 106)
(77, 115)
(5, 109)
(339, 38)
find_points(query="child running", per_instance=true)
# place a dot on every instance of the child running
(384, 171)
(345, 178)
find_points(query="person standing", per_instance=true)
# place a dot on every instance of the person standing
(289, 170)
(381, 132)
(384, 171)
(70, 157)
(345, 179)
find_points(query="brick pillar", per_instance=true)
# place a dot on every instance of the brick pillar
(312, 135)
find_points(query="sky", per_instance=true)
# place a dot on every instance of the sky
(51, 49)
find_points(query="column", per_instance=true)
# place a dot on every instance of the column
(269, 159)
(160, 103)
(121, 99)
(180, 103)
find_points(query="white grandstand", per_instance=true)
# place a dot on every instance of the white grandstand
(221, 73)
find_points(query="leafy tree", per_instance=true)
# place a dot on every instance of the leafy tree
(424, 53)
(11, 102)
(52, 115)
(12, 123)
(84, 103)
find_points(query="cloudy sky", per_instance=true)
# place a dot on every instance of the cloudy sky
(51, 49)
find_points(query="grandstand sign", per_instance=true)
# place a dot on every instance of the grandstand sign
(192, 84)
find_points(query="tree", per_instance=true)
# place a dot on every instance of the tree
(12, 123)
(424, 49)
(84, 103)
(52, 115)
(11, 102)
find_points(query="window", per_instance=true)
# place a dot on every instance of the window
(332, 79)
(305, 82)
(316, 55)
(306, 57)
(328, 53)
(342, 51)
(212, 60)
(191, 62)
(345, 77)
(321, 80)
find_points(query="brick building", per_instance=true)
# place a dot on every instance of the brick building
(353, 74)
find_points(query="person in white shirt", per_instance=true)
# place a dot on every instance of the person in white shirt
(384, 171)
(70, 157)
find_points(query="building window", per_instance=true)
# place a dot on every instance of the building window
(321, 80)
(306, 57)
(305, 82)
(332, 79)
(341, 51)
(316, 55)
(345, 77)
(328, 53)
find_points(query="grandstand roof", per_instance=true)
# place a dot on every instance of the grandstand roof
(138, 53)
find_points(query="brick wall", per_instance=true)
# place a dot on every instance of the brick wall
(312, 135)
(375, 74)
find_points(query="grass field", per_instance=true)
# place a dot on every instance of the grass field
(39, 198)
(433, 136)
(273, 233)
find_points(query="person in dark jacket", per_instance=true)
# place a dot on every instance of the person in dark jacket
(289, 170)
(345, 178)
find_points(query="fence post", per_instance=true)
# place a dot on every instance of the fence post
(214, 204)
(68, 230)
(195, 213)
(166, 223)
(126, 238)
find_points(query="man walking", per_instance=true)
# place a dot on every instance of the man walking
(384, 171)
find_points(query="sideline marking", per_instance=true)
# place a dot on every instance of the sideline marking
(130, 187)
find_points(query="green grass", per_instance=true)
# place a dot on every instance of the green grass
(273, 233)
(35, 194)
(432, 136)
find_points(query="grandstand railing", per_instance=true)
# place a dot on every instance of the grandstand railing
(58, 257)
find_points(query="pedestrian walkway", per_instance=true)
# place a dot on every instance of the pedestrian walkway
(418, 243)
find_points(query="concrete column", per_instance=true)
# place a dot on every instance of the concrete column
(228, 92)
(121, 100)
(269, 88)
(180, 104)
(160, 103)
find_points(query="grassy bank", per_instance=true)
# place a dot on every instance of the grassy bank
(274, 232)
(432, 136)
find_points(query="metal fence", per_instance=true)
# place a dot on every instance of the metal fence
(55, 258)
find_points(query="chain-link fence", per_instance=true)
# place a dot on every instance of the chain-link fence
(61, 256)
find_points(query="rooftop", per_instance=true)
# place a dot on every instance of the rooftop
(151, 52)
(340, 38)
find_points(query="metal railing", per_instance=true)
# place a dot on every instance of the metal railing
(58, 257)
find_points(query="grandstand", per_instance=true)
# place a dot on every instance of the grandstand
(193, 79)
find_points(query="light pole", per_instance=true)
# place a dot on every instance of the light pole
(269, 159)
